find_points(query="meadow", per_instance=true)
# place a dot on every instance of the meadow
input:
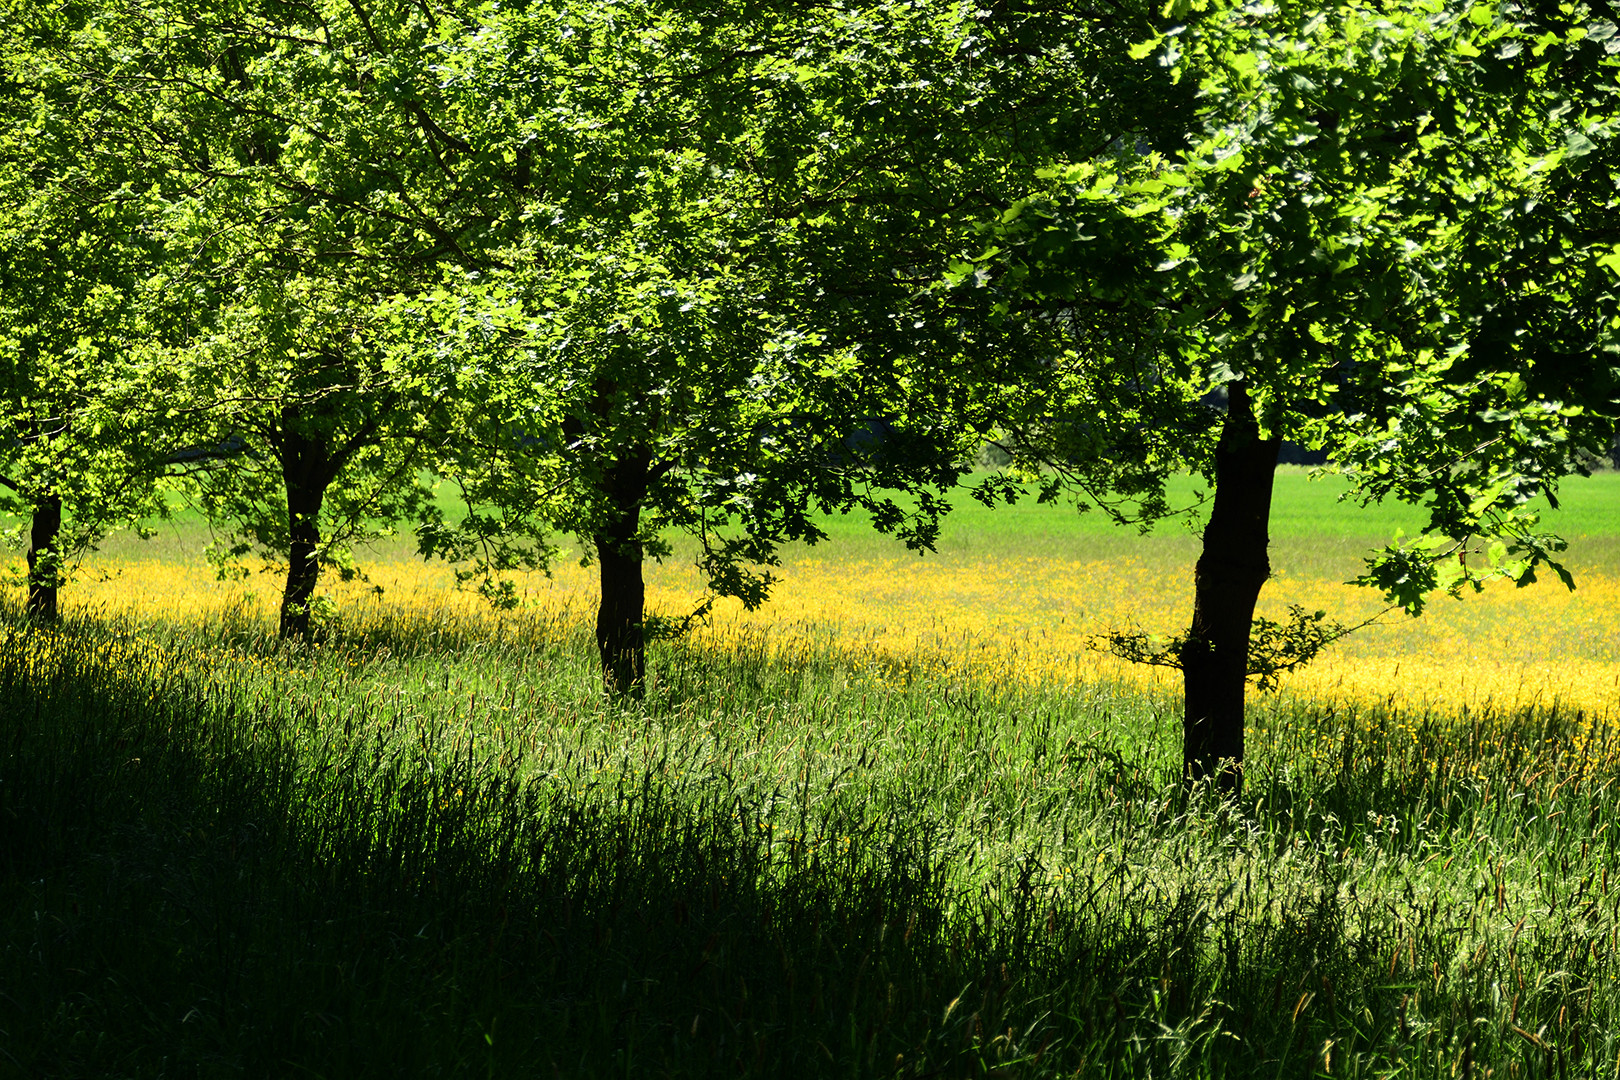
(901, 822)
(1022, 591)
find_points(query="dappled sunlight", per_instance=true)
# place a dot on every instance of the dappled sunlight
(1016, 619)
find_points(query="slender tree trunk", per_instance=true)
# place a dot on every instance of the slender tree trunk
(305, 473)
(620, 637)
(303, 559)
(1231, 570)
(44, 555)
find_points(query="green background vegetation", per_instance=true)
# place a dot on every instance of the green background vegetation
(1312, 528)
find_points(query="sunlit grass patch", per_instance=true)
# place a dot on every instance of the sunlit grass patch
(1010, 618)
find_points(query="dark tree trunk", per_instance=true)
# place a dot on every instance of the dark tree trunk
(44, 559)
(620, 637)
(306, 472)
(1231, 570)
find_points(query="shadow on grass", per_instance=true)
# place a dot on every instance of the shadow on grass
(199, 880)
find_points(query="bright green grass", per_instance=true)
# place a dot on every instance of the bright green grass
(1304, 505)
(424, 850)
(1313, 531)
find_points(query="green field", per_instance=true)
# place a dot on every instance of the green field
(1309, 518)
(428, 847)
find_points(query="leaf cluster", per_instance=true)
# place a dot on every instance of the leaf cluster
(1388, 224)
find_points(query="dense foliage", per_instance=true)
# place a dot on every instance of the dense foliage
(1386, 241)
(632, 269)
(660, 265)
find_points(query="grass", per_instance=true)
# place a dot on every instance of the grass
(1031, 596)
(1306, 507)
(428, 847)
(939, 841)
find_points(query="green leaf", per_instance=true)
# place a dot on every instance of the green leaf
(1577, 145)
(1143, 49)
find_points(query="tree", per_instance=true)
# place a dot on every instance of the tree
(739, 208)
(657, 263)
(74, 224)
(305, 190)
(1368, 246)
(316, 445)
(345, 166)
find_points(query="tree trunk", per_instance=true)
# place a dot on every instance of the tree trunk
(620, 637)
(306, 472)
(1231, 570)
(44, 559)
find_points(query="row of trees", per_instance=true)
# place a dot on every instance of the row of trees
(629, 268)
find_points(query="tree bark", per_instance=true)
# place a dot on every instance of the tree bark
(44, 559)
(621, 639)
(1231, 570)
(306, 471)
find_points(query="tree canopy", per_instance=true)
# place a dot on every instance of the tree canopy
(75, 307)
(1366, 247)
(732, 302)
(659, 266)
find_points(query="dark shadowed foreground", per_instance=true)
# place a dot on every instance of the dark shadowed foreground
(408, 852)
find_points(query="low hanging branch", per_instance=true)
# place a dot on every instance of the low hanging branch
(660, 627)
(1275, 648)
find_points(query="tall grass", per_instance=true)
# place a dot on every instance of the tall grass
(428, 847)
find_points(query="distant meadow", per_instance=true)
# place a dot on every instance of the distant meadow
(1020, 593)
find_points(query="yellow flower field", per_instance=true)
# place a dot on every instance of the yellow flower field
(1019, 618)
